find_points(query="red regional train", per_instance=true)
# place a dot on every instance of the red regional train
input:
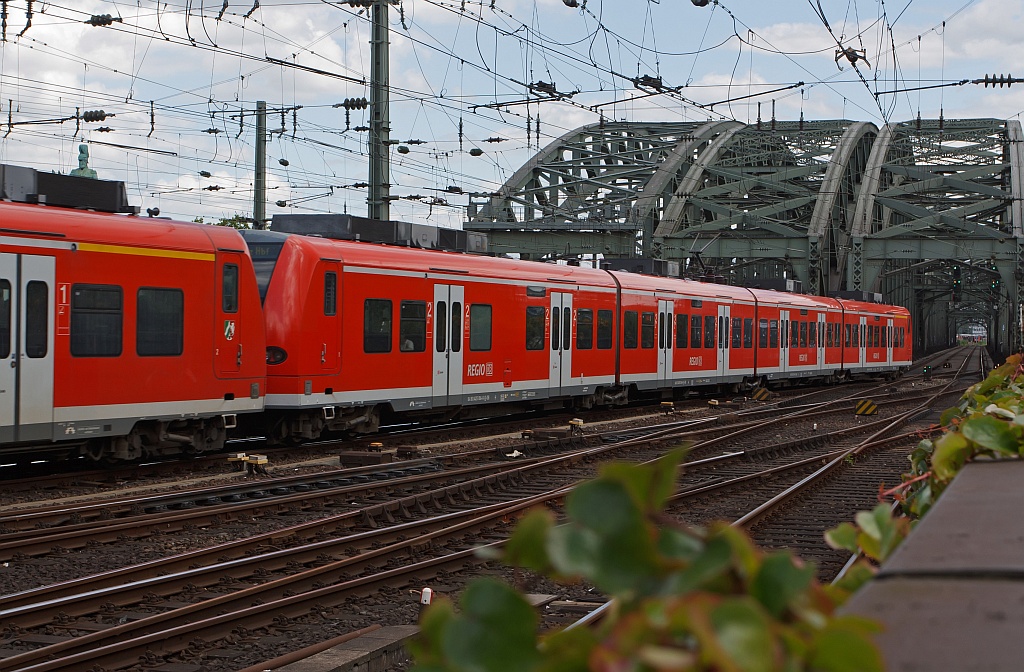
(361, 334)
(129, 338)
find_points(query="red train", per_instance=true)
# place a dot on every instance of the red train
(359, 334)
(129, 338)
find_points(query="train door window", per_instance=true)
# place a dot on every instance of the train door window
(794, 333)
(695, 337)
(682, 325)
(331, 293)
(668, 331)
(584, 329)
(5, 318)
(97, 312)
(856, 336)
(480, 327)
(229, 288)
(37, 311)
(723, 337)
(556, 327)
(803, 334)
(661, 331)
(457, 327)
(885, 337)
(630, 330)
(748, 332)
(159, 322)
(709, 331)
(604, 329)
(812, 335)
(535, 327)
(864, 334)
(773, 334)
(762, 333)
(647, 331)
(566, 329)
(412, 326)
(441, 327)
(737, 332)
(377, 325)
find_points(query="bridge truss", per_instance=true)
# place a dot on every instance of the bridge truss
(927, 213)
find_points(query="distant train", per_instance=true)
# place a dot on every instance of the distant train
(129, 338)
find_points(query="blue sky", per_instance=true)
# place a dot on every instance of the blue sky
(199, 64)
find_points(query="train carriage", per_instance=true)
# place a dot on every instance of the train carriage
(127, 338)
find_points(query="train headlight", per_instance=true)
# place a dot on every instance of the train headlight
(276, 355)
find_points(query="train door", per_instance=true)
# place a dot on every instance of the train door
(330, 328)
(229, 316)
(26, 342)
(821, 340)
(665, 321)
(783, 341)
(449, 305)
(723, 340)
(862, 347)
(888, 335)
(560, 372)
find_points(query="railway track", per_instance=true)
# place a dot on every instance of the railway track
(286, 579)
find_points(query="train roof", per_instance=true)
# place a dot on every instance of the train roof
(72, 226)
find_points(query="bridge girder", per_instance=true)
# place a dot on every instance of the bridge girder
(840, 205)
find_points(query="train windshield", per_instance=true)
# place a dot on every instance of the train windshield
(264, 249)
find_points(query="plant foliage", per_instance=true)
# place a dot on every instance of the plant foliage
(683, 598)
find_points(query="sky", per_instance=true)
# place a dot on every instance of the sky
(179, 81)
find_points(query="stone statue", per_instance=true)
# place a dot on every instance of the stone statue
(83, 169)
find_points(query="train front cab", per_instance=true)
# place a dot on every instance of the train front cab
(115, 349)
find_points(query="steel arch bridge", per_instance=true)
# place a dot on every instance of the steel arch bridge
(927, 213)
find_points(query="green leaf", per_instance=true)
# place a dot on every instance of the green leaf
(855, 577)
(991, 433)
(844, 645)
(603, 506)
(951, 452)
(712, 563)
(744, 634)
(495, 631)
(779, 582)
(948, 415)
(843, 537)
(679, 544)
(526, 546)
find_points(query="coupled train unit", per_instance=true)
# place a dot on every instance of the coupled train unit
(128, 338)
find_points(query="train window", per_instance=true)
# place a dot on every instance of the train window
(535, 327)
(762, 333)
(812, 335)
(605, 329)
(709, 331)
(37, 301)
(5, 318)
(480, 327)
(264, 259)
(661, 331)
(556, 327)
(668, 331)
(96, 318)
(794, 332)
(902, 336)
(647, 330)
(566, 328)
(330, 293)
(456, 326)
(584, 329)
(748, 332)
(864, 334)
(536, 291)
(377, 325)
(229, 288)
(847, 330)
(695, 338)
(723, 328)
(737, 332)
(885, 337)
(412, 326)
(630, 329)
(773, 334)
(441, 327)
(803, 334)
(159, 322)
(828, 334)
(696, 303)
(682, 330)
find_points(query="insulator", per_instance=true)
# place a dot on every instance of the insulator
(402, 149)
(281, 204)
(101, 20)
(476, 151)
(283, 162)
(204, 173)
(95, 115)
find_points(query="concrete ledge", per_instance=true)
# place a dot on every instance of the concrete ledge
(373, 652)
